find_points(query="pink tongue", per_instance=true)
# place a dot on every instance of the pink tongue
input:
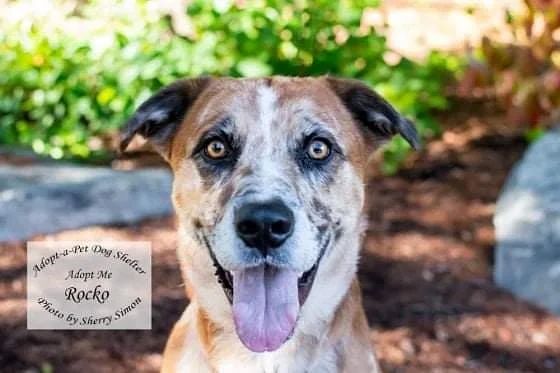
(265, 306)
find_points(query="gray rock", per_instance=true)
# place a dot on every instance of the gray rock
(527, 225)
(50, 197)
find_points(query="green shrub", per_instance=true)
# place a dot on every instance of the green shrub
(64, 94)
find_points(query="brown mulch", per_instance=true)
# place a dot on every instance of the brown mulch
(426, 273)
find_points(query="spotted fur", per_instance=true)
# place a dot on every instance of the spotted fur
(268, 122)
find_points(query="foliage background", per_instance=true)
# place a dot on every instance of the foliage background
(69, 83)
(523, 74)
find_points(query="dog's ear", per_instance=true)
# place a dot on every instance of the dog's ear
(159, 117)
(372, 111)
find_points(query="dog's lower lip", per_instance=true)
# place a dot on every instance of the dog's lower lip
(306, 280)
(307, 276)
(224, 278)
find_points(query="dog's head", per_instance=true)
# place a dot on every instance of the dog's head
(269, 191)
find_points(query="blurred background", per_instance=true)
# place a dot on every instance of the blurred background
(480, 78)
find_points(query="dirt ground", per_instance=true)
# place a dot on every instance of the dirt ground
(426, 273)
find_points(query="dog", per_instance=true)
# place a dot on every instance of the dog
(269, 192)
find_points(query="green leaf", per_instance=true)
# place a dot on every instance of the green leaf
(251, 67)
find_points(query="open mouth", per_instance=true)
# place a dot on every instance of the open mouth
(266, 301)
(305, 281)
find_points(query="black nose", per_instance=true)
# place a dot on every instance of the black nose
(264, 225)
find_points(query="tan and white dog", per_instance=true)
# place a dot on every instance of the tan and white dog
(268, 188)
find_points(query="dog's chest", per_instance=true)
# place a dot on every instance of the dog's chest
(267, 363)
(294, 362)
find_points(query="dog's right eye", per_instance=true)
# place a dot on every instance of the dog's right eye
(216, 149)
(318, 149)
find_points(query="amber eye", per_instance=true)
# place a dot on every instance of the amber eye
(318, 150)
(216, 149)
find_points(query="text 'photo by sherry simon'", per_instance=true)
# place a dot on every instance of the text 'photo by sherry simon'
(89, 285)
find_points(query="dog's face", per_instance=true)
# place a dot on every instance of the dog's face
(269, 189)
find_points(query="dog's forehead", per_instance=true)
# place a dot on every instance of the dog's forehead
(271, 107)
(254, 103)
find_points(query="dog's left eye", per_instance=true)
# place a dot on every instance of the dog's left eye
(318, 149)
(216, 149)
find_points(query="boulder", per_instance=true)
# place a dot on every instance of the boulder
(527, 222)
(46, 198)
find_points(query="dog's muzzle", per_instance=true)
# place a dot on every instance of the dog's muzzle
(266, 299)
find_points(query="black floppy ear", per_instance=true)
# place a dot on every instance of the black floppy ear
(158, 118)
(373, 111)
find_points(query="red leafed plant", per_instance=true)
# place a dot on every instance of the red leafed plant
(524, 74)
